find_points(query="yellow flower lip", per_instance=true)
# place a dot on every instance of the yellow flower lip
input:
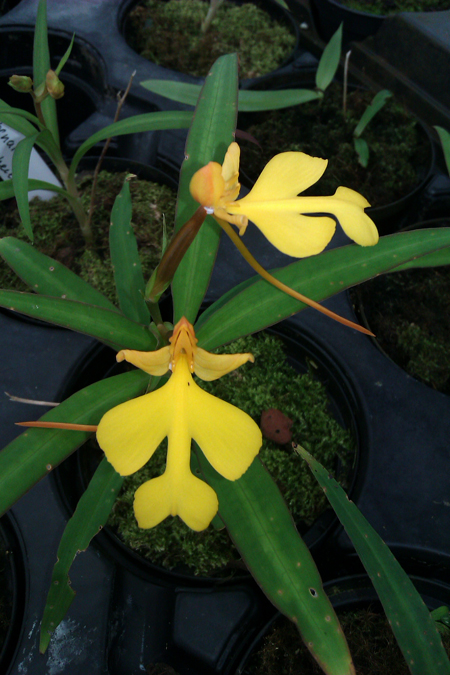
(130, 433)
(287, 220)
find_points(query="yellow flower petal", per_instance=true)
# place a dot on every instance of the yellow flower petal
(130, 433)
(230, 166)
(210, 367)
(154, 363)
(356, 224)
(207, 185)
(193, 501)
(284, 177)
(291, 232)
(228, 437)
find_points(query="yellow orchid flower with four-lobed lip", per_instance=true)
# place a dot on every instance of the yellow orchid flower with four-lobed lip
(285, 219)
(130, 433)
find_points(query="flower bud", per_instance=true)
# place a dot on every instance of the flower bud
(21, 83)
(54, 85)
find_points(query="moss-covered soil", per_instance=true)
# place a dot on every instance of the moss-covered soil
(384, 7)
(58, 235)
(409, 312)
(269, 383)
(168, 33)
(398, 150)
(370, 639)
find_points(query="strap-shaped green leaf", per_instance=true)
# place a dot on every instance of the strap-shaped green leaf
(19, 119)
(329, 61)
(172, 119)
(109, 327)
(7, 188)
(125, 259)
(362, 150)
(65, 56)
(444, 137)
(47, 276)
(20, 167)
(409, 618)
(91, 514)
(41, 66)
(248, 99)
(33, 454)
(378, 102)
(209, 137)
(262, 528)
(255, 304)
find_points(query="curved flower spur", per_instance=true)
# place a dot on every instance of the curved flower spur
(130, 433)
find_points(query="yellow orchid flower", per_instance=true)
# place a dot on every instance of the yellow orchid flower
(130, 433)
(286, 220)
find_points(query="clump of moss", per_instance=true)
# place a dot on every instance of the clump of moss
(154, 27)
(270, 382)
(58, 235)
(370, 639)
(386, 7)
(409, 312)
(321, 130)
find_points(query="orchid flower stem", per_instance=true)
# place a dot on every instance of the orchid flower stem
(155, 313)
(58, 425)
(282, 287)
(344, 97)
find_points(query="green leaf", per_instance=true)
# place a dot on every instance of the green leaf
(47, 276)
(91, 514)
(20, 167)
(362, 150)
(172, 119)
(248, 100)
(125, 259)
(7, 188)
(110, 327)
(33, 454)
(444, 137)
(209, 137)
(41, 66)
(262, 528)
(329, 61)
(19, 119)
(63, 61)
(378, 102)
(408, 616)
(254, 304)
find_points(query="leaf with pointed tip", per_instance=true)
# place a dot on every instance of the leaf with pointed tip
(41, 66)
(20, 168)
(47, 276)
(444, 137)
(248, 100)
(209, 137)
(409, 618)
(31, 456)
(254, 304)
(90, 515)
(125, 259)
(329, 61)
(110, 327)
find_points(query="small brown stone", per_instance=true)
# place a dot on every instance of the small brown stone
(276, 426)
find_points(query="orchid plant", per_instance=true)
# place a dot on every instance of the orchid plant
(221, 477)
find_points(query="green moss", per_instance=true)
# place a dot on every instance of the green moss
(154, 27)
(370, 639)
(409, 312)
(270, 382)
(57, 233)
(386, 7)
(397, 148)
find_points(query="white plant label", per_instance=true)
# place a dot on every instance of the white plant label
(9, 139)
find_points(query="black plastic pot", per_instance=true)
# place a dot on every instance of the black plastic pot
(347, 594)
(329, 14)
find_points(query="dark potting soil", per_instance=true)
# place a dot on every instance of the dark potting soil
(399, 151)
(269, 383)
(154, 27)
(369, 636)
(409, 312)
(57, 233)
(386, 7)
